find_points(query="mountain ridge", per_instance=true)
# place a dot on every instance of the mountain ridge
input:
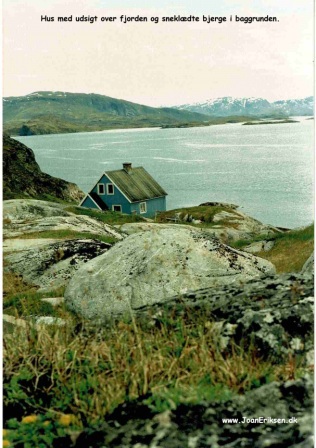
(56, 111)
(224, 106)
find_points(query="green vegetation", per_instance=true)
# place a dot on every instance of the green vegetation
(56, 372)
(40, 197)
(271, 122)
(290, 251)
(107, 217)
(29, 303)
(203, 213)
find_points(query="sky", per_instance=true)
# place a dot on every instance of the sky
(159, 63)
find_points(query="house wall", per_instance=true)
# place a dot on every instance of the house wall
(89, 203)
(116, 199)
(153, 205)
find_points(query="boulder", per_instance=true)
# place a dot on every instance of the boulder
(151, 266)
(52, 265)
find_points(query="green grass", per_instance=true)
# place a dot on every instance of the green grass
(290, 251)
(89, 374)
(107, 217)
(203, 213)
(29, 303)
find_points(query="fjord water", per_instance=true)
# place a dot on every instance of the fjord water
(267, 169)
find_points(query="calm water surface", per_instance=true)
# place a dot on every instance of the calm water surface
(267, 170)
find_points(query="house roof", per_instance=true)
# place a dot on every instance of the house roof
(98, 201)
(137, 184)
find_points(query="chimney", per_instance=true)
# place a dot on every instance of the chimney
(127, 166)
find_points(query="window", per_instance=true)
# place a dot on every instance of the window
(101, 189)
(116, 208)
(142, 207)
(110, 188)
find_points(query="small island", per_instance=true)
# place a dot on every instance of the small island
(249, 123)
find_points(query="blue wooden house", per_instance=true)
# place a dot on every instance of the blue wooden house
(129, 190)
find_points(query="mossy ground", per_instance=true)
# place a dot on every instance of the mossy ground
(290, 251)
(203, 213)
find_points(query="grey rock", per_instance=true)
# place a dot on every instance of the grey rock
(276, 313)
(228, 226)
(54, 301)
(309, 264)
(259, 246)
(52, 265)
(22, 216)
(49, 320)
(150, 267)
(22, 210)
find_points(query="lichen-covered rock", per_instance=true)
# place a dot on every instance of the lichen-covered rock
(135, 425)
(22, 216)
(259, 246)
(52, 265)
(274, 313)
(24, 210)
(150, 267)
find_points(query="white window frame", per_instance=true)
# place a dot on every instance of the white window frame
(117, 205)
(142, 207)
(107, 189)
(99, 192)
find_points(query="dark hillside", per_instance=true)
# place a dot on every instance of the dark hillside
(23, 178)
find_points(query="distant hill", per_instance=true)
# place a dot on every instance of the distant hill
(61, 112)
(23, 178)
(225, 106)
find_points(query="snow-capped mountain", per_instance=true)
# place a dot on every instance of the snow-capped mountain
(228, 105)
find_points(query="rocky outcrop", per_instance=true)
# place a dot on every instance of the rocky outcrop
(150, 267)
(51, 265)
(49, 262)
(276, 313)
(135, 425)
(223, 221)
(22, 216)
(25, 210)
(23, 178)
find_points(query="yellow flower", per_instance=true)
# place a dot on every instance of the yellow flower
(5, 442)
(66, 419)
(46, 423)
(5, 432)
(29, 419)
